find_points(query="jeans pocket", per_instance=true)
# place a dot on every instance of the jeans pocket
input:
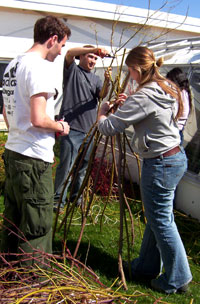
(172, 174)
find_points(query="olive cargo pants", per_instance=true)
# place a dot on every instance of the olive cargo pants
(28, 214)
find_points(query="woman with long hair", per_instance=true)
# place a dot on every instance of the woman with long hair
(151, 110)
(177, 76)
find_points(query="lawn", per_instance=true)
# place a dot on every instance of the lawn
(100, 242)
(99, 249)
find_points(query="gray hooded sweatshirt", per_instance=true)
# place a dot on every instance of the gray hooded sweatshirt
(152, 113)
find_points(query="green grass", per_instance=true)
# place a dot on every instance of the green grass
(99, 247)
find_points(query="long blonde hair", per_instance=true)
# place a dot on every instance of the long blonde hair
(143, 60)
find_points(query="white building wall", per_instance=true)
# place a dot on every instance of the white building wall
(91, 23)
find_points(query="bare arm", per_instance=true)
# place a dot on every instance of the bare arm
(40, 119)
(5, 117)
(77, 51)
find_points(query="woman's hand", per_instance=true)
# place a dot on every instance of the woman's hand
(105, 108)
(103, 111)
(121, 99)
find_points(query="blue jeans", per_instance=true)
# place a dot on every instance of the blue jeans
(69, 150)
(161, 244)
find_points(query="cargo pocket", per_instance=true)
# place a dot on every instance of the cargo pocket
(38, 218)
(21, 175)
(43, 183)
(38, 215)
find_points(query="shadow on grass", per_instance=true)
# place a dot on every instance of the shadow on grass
(189, 229)
(95, 258)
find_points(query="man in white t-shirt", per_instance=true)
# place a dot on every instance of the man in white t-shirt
(28, 94)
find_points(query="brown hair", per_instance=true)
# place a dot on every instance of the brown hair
(143, 60)
(49, 26)
(85, 46)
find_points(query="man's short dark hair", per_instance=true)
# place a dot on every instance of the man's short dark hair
(49, 26)
(85, 46)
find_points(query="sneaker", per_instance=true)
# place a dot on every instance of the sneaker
(156, 287)
(183, 288)
(143, 278)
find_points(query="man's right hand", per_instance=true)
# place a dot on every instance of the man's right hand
(101, 52)
(65, 128)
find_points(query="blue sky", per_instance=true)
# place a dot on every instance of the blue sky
(179, 7)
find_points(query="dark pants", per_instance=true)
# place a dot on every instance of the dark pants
(28, 210)
(69, 150)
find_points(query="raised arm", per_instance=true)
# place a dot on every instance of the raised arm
(77, 51)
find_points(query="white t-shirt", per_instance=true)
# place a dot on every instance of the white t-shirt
(25, 76)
